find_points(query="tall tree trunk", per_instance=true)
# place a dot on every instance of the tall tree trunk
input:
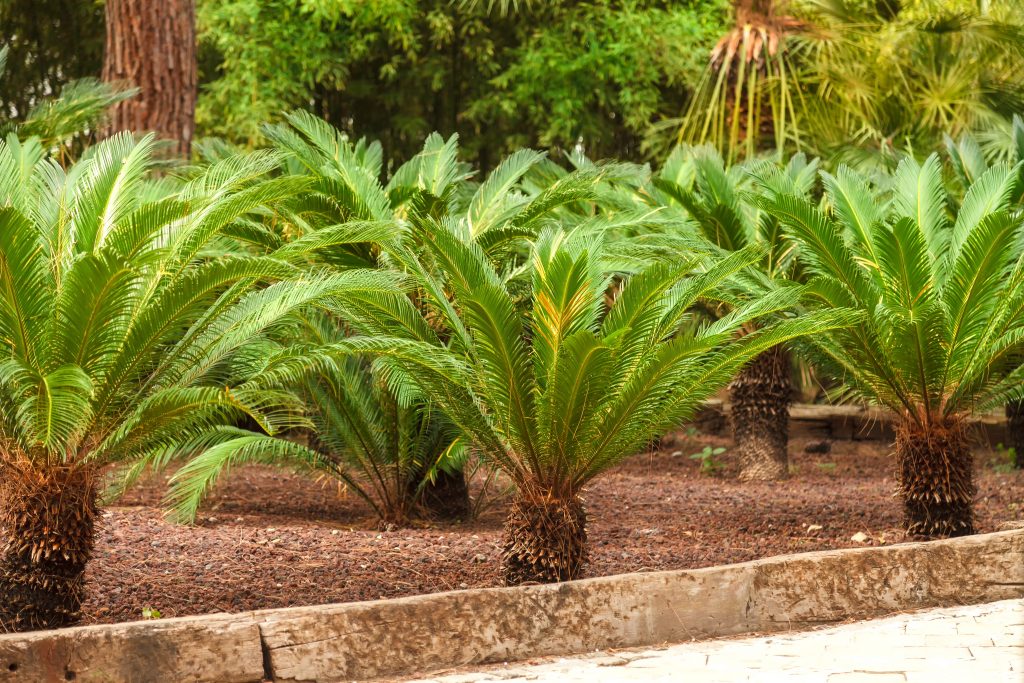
(760, 397)
(151, 44)
(1015, 431)
(935, 478)
(47, 523)
(545, 540)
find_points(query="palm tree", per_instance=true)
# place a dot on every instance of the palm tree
(384, 447)
(352, 217)
(721, 202)
(944, 316)
(556, 388)
(971, 160)
(750, 90)
(124, 308)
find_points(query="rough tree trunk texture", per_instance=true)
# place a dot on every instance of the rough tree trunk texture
(1015, 431)
(760, 397)
(545, 540)
(935, 478)
(47, 523)
(447, 497)
(151, 44)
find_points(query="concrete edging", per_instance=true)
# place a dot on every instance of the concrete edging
(429, 632)
(843, 422)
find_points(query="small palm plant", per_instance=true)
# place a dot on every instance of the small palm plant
(721, 203)
(556, 389)
(383, 447)
(944, 316)
(971, 160)
(350, 217)
(122, 309)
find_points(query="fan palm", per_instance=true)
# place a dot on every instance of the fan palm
(887, 76)
(555, 389)
(721, 202)
(944, 307)
(122, 311)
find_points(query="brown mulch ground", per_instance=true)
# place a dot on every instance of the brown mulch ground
(268, 538)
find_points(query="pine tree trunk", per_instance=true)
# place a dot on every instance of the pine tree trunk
(545, 540)
(151, 44)
(760, 397)
(47, 525)
(935, 479)
(1015, 431)
(447, 497)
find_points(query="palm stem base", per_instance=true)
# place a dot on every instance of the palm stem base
(760, 397)
(1015, 431)
(447, 496)
(47, 518)
(545, 541)
(935, 479)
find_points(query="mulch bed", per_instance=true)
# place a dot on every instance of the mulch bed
(269, 538)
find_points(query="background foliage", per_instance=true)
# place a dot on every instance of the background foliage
(550, 75)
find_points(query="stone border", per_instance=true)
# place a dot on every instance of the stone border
(842, 422)
(429, 632)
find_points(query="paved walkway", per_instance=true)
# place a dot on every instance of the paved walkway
(975, 644)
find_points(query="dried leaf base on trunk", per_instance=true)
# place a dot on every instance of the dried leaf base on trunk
(1015, 431)
(47, 518)
(760, 397)
(935, 479)
(545, 541)
(447, 497)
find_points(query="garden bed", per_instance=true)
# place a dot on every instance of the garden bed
(268, 538)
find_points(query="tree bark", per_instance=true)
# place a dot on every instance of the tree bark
(935, 478)
(1015, 431)
(545, 540)
(760, 397)
(47, 523)
(151, 44)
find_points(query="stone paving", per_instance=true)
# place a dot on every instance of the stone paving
(973, 644)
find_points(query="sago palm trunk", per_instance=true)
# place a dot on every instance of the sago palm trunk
(545, 540)
(47, 522)
(935, 478)
(447, 496)
(760, 397)
(1015, 431)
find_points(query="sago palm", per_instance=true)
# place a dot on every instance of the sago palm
(555, 389)
(122, 310)
(944, 325)
(384, 448)
(971, 159)
(348, 199)
(721, 203)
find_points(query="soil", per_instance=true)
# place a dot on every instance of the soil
(269, 538)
